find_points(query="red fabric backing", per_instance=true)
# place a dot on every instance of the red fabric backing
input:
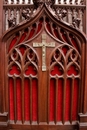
(22, 37)
(65, 49)
(56, 33)
(34, 100)
(19, 99)
(31, 33)
(30, 70)
(11, 98)
(64, 35)
(14, 70)
(27, 99)
(52, 99)
(60, 99)
(75, 99)
(56, 70)
(68, 100)
(12, 43)
(22, 49)
(72, 70)
(74, 42)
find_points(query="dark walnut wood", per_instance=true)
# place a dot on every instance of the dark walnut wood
(43, 74)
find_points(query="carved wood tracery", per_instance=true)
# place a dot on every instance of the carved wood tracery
(22, 72)
(64, 70)
(61, 61)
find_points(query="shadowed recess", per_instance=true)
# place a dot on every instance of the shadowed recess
(75, 100)
(72, 70)
(52, 100)
(34, 99)
(30, 70)
(27, 99)
(57, 70)
(68, 100)
(19, 98)
(11, 98)
(60, 100)
(14, 70)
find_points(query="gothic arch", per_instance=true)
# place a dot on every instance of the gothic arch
(69, 53)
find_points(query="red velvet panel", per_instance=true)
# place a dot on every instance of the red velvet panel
(19, 99)
(75, 100)
(30, 70)
(68, 100)
(52, 99)
(34, 100)
(31, 33)
(12, 43)
(64, 35)
(22, 49)
(11, 98)
(60, 99)
(56, 70)
(65, 49)
(72, 70)
(48, 25)
(39, 27)
(56, 33)
(14, 70)
(74, 42)
(27, 99)
(22, 37)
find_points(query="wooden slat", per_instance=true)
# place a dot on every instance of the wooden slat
(56, 100)
(30, 101)
(22, 100)
(48, 100)
(15, 103)
(64, 100)
(71, 105)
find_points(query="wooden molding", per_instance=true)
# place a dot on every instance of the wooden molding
(82, 121)
(4, 121)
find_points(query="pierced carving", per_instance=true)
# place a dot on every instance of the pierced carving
(12, 1)
(76, 22)
(67, 58)
(6, 1)
(62, 13)
(70, 1)
(17, 1)
(26, 14)
(20, 56)
(82, 2)
(39, 2)
(12, 21)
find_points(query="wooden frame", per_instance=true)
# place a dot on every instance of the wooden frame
(81, 40)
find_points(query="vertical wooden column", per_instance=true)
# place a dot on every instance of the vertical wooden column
(1, 17)
(1, 28)
(85, 18)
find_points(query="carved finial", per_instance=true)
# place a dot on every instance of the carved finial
(12, 21)
(76, 22)
(76, 1)
(26, 14)
(59, 1)
(70, 1)
(62, 13)
(82, 2)
(39, 2)
(65, 1)
(6, 1)
(23, 1)
(28, 1)
(17, 1)
(12, 1)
